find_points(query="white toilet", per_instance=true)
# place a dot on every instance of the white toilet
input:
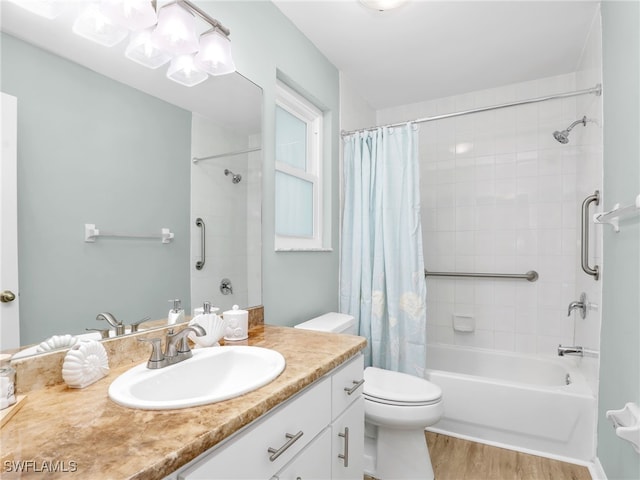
(397, 409)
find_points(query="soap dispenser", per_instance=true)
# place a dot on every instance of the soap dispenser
(176, 314)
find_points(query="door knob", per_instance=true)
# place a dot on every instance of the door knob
(7, 296)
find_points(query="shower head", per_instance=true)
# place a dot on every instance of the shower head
(236, 177)
(563, 135)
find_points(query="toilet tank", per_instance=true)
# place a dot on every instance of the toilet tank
(331, 322)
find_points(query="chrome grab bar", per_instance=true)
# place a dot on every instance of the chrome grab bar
(200, 263)
(275, 453)
(531, 275)
(595, 271)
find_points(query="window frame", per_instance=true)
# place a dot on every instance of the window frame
(301, 108)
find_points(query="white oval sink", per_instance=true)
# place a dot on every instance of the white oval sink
(211, 375)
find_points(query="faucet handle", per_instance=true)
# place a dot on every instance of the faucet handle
(134, 326)
(156, 360)
(581, 305)
(104, 333)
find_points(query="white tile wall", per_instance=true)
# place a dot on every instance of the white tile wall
(589, 174)
(499, 194)
(231, 213)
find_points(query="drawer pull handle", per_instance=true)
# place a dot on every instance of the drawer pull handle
(345, 456)
(356, 385)
(275, 453)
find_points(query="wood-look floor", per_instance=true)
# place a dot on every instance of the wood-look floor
(457, 459)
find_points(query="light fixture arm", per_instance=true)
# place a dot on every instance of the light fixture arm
(203, 15)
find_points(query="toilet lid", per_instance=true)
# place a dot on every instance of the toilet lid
(395, 388)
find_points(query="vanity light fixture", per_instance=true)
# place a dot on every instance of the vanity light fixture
(158, 34)
(143, 51)
(176, 30)
(183, 70)
(382, 5)
(131, 14)
(94, 25)
(214, 56)
(45, 8)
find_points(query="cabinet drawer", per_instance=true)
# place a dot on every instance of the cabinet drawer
(246, 456)
(346, 386)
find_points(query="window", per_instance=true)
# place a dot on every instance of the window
(298, 187)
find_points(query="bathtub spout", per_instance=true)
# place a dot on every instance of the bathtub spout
(563, 350)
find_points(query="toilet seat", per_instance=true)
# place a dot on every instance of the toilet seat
(395, 388)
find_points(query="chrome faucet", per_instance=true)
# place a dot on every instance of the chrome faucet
(111, 320)
(176, 347)
(582, 305)
(562, 351)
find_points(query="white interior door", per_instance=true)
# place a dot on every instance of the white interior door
(9, 305)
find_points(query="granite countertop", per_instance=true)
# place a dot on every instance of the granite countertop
(83, 434)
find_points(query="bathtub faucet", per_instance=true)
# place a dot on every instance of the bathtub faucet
(581, 305)
(562, 351)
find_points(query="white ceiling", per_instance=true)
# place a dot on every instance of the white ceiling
(433, 49)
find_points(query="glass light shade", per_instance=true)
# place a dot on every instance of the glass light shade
(176, 31)
(382, 5)
(45, 8)
(142, 50)
(92, 24)
(183, 70)
(131, 14)
(214, 56)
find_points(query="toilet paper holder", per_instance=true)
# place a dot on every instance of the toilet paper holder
(627, 424)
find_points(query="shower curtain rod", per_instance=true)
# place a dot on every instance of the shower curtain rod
(597, 90)
(226, 154)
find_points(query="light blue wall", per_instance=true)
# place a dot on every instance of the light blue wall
(92, 150)
(620, 343)
(296, 286)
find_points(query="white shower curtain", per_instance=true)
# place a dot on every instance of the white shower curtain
(382, 267)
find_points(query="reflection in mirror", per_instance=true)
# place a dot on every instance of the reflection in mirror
(107, 142)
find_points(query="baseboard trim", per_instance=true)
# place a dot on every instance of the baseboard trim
(596, 470)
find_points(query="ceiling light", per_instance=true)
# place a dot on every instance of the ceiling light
(45, 8)
(94, 25)
(184, 71)
(142, 50)
(382, 5)
(214, 56)
(132, 14)
(176, 30)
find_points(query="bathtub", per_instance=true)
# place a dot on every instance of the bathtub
(532, 404)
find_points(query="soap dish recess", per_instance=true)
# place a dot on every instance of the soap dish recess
(464, 323)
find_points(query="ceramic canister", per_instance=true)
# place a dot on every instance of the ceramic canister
(7, 389)
(237, 324)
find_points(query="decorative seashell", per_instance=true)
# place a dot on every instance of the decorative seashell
(85, 364)
(214, 326)
(56, 342)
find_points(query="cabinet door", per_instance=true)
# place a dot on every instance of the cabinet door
(311, 463)
(347, 443)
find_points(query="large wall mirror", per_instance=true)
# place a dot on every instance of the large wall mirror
(103, 141)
